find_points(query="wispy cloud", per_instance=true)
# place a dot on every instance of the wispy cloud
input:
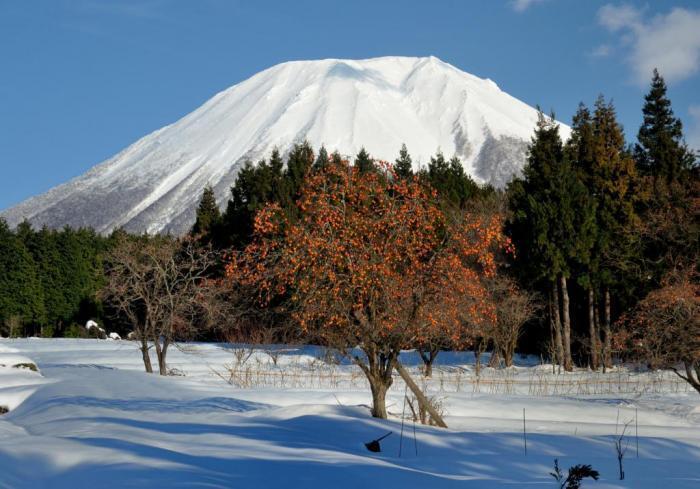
(602, 51)
(523, 5)
(693, 131)
(669, 42)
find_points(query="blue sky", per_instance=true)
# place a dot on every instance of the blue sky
(82, 79)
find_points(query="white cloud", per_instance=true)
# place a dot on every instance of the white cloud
(669, 42)
(617, 17)
(601, 51)
(693, 131)
(523, 5)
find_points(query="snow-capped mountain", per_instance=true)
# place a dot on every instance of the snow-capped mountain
(155, 184)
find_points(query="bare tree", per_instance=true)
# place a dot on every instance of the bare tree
(621, 446)
(664, 328)
(514, 307)
(160, 286)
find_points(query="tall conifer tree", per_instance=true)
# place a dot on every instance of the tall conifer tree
(661, 151)
(404, 164)
(551, 226)
(364, 162)
(208, 213)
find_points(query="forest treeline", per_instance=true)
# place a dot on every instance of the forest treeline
(594, 226)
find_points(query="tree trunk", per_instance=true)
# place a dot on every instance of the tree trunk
(378, 399)
(161, 353)
(693, 372)
(607, 355)
(556, 324)
(424, 401)
(428, 356)
(509, 352)
(146, 356)
(566, 324)
(378, 371)
(592, 330)
(495, 360)
(478, 350)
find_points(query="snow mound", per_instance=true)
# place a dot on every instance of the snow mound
(19, 378)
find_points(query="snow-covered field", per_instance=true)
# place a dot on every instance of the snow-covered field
(91, 418)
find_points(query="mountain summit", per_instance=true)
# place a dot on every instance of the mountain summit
(154, 184)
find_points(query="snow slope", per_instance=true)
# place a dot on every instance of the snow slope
(97, 421)
(155, 184)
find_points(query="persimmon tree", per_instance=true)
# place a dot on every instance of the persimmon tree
(664, 328)
(371, 262)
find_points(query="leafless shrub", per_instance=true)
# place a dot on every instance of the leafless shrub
(161, 286)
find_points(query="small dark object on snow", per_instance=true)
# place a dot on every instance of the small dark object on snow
(576, 474)
(4, 410)
(373, 446)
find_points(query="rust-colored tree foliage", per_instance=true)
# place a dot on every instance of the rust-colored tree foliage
(664, 328)
(372, 262)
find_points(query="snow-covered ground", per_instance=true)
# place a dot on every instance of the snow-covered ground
(91, 418)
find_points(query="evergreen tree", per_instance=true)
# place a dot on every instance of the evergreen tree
(661, 151)
(237, 220)
(299, 162)
(336, 158)
(364, 162)
(322, 160)
(669, 230)
(20, 290)
(404, 164)
(454, 186)
(551, 226)
(579, 151)
(208, 214)
(597, 150)
(462, 187)
(612, 181)
(50, 270)
(257, 185)
(438, 174)
(276, 169)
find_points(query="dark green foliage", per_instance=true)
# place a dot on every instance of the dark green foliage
(336, 159)
(597, 152)
(552, 223)
(257, 185)
(299, 162)
(661, 151)
(671, 185)
(322, 160)
(364, 162)
(49, 278)
(208, 214)
(576, 474)
(21, 294)
(404, 165)
(454, 186)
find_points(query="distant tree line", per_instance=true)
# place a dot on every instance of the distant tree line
(49, 279)
(279, 181)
